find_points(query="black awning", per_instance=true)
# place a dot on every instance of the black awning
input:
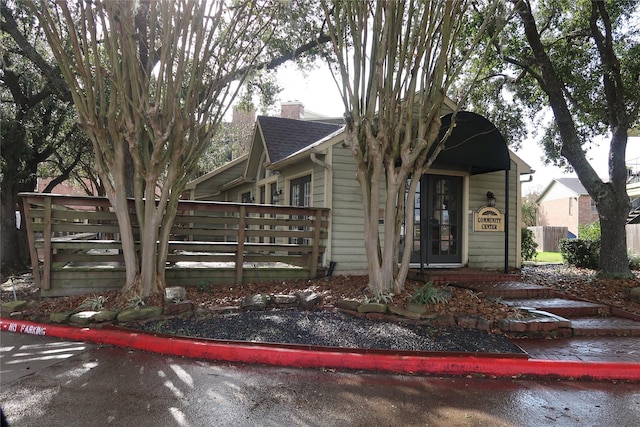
(475, 145)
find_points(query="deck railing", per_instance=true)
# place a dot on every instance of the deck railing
(75, 245)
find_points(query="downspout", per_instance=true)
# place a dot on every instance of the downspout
(328, 195)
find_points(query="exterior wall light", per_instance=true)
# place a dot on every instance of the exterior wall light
(491, 199)
(275, 196)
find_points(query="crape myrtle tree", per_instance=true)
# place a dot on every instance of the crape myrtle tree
(395, 63)
(37, 124)
(581, 59)
(152, 80)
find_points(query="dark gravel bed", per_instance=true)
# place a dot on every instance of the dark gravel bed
(327, 328)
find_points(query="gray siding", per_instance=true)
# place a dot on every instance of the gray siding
(234, 195)
(347, 222)
(486, 249)
(303, 168)
(208, 189)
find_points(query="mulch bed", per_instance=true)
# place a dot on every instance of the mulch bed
(328, 327)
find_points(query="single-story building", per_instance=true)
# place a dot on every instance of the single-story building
(467, 209)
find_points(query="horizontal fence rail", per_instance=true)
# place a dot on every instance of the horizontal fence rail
(75, 242)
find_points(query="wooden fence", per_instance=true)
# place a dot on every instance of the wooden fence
(548, 238)
(75, 245)
(633, 238)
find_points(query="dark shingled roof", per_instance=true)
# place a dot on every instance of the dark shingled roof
(284, 137)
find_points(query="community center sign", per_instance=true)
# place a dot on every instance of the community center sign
(488, 219)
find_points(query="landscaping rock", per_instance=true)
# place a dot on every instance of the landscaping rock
(105, 316)
(132, 314)
(348, 304)
(403, 312)
(175, 294)
(59, 317)
(83, 317)
(445, 320)
(372, 307)
(535, 324)
(255, 302)
(634, 295)
(473, 322)
(172, 309)
(560, 321)
(416, 308)
(284, 299)
(12, 306)
(308, 300)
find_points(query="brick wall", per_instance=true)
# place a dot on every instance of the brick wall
(570, 213)
(292, 110)
(557, 213)
(584, 211)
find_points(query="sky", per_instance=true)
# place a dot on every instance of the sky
(317, 91)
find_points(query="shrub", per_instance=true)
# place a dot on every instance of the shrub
(580, 252)
(528, 246)
(589, 231)
(95, 303)
(634, 261)
(429, 294)
(379, 297)
(135, 303)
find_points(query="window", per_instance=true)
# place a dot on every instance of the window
(300, 195)
(570, 206)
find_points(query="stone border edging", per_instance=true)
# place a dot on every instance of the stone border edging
(338, 359)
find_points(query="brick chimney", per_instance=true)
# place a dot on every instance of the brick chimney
(242, 117)
(292, 110)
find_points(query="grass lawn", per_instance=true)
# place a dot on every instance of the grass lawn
(548, 257)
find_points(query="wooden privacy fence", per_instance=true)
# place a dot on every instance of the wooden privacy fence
(75, 245)
(548, 237)
(633, 238)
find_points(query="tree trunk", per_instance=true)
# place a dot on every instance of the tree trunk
(611, 198)
(9, 251)
(120, 206)
(409, 224)
(614, 261)
(148, 252)
(14, 249)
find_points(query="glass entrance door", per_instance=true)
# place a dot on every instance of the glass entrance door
(444, 219)
(437, 236)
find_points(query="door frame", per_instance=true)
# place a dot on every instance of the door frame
(423, 261)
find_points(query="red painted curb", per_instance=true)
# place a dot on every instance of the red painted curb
(338, 359)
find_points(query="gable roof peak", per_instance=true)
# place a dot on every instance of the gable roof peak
(283, 136)
(573, 184)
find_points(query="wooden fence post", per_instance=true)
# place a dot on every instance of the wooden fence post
(240, 250)
(46, 274)
(313, 264)
(33, 252)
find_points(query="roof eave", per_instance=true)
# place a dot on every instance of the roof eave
(319, 145)
(191, 185)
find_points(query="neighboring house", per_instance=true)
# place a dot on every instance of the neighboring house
(67, 187)
(633, 190)
(308, 163)
(566, 203)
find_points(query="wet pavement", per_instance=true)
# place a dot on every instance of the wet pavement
(584, 349)
(51, 382)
